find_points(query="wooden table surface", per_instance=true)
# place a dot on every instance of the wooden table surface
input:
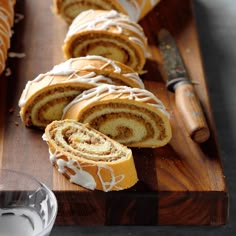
(182, 183)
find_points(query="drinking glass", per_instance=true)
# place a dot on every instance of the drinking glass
(27, 206)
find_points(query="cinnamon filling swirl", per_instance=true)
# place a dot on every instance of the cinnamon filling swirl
(132, 123)
(48, 106)
(116, 49)
(109, 34)
(89, 158)
(85, 144)
(70, 9)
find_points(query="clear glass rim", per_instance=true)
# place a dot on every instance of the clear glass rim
(50, 192)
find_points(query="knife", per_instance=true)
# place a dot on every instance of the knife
(177, 81)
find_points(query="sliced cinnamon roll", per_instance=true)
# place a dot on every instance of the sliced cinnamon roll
(131, 116)
(135, 9)
(89, 158)
(108, 34)
(44, 98)
(6, 22)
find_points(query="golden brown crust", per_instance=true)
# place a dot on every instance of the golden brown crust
(108, 34)
(89, 158)
(136, 10)
(44, 98)
(69, 9)
(133, 117)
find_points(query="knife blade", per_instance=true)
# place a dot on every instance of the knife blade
(178, 81)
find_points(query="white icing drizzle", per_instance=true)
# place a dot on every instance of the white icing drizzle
(52, 156)
(117, 69)
(133, 8)
(82, 168)
(104, 20)
(81, 177)
(109, 185)
(44, 137)
(84, 178)
(66, 69)
(135, 77)
(97, 93)
(24, 94)
(18, 17)
(16, 55)
(8, 72)
(140, 43)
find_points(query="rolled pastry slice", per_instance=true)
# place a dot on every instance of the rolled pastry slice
(131, 116)
(108, 34)
(89, 158)
(6, 22)
(44, 98)
(135, 9)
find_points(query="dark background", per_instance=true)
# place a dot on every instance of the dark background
(216, 24)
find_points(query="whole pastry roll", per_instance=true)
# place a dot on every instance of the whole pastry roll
(89, 158)
(131, 116)
(44, 98)
(135, 9)
(108, 34)
(6, 22)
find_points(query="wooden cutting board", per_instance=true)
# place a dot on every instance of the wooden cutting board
(180, 184)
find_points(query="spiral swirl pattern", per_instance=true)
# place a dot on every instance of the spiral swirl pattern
(89, 158)
(131, 116)
(45, 97)
(108, 34)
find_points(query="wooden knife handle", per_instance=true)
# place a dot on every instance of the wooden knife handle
(190, 109)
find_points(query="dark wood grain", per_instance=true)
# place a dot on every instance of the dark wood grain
(180, 184)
